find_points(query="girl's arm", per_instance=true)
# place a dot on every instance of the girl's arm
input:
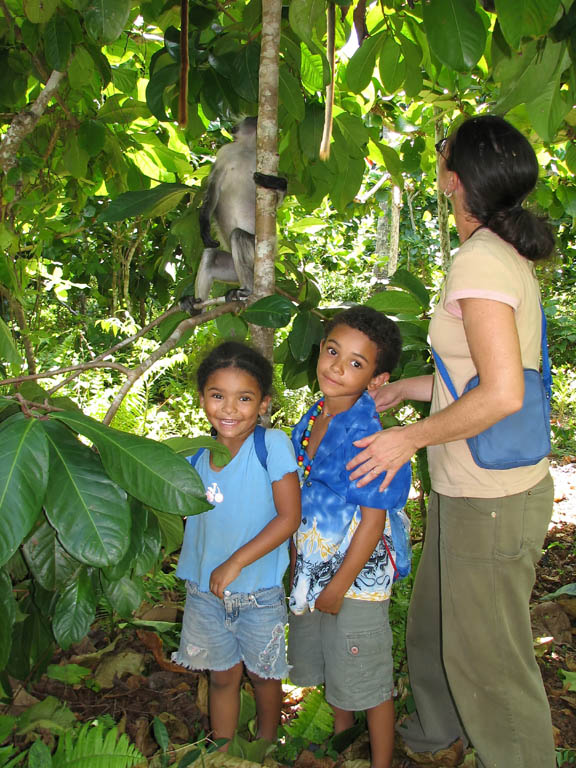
(292, 569)
(414, 388)
(492, 337)
(286, 493)
(363, 543)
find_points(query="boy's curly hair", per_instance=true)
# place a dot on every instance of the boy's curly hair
(378, 328)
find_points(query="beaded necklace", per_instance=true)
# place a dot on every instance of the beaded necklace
(306, 438)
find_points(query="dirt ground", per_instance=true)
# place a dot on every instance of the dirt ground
(137, 682)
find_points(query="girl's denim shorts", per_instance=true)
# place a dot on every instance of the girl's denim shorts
(247, 627)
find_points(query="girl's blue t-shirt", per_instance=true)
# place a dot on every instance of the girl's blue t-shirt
(243, 505)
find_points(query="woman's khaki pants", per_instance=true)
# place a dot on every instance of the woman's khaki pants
(470, 648)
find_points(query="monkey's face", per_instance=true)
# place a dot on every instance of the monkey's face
(232, 400)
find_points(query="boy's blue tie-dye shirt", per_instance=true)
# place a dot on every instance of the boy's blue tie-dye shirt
(331, 510)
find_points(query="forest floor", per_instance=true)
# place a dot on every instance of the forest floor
(134, 682)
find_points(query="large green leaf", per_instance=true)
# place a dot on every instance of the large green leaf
(125, 595)
(307, 17)
(74, 159)
(8, 612)
(82, 69)
(39, 11)
(91, 137)
(362, 64)
(290, 94)
(187, 446)
(409, 282)
(8, 349)
(525, 76)
(32, 642)
(548, 109)
(528, 18)
(23, 479)
(119, 109)
(145, 469)
(57, 43)
(271, 312)
(157, 84)
(75, 611)
(245, 72)
(148, 202)
(139, 516)
(455, 32)
(51, 565)
(392, 66)
(89, 511)
(394, 303)
(150, 550)
(306, 331)
(171, 531)
(105, 19)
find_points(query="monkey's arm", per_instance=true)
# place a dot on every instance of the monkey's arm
(207, 209)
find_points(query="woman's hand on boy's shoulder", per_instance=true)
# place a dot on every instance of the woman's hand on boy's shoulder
(328, 601)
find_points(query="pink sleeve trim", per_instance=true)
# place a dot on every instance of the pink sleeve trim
(451, 302)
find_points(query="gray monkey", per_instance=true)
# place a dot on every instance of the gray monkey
(230, 201)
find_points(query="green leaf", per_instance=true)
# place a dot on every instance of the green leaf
(528, 74)
(393, 302)
(39, 11)
(529, 18)
(171, 531)
(160, 734)
(8, 350)
(231, 326)
(160, 80)
(57, 43)
(150, 549)
(75, 611)
(362, 64)
(72, 674)
(147, 470)
(148, 202)
(549, 108)
(125, 595)
(569, 679)
(51, 565)
(119, 109)
(455, 32)
(96, 745)
(74, 158)
(311, 70)
(89, 511)
(315, 719)
(290, 94)
(270, 312)
(39, 755)
(188, 446)
(567, 589)
(409, 282)
(105, 19)
(245, 72)
(392, 66)
(82, 69)
(307, 16)
(306, 331)
(23, 479)
(48, 713)
(91, 137)
(571, 157)
(8, 612)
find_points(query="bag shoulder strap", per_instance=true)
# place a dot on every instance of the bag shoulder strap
(259, 445)
(546, 372)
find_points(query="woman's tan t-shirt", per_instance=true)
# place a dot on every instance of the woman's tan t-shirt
(485, 267)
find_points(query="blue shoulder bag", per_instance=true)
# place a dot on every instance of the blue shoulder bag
(522, 438)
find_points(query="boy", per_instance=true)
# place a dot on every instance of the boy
(342, 565)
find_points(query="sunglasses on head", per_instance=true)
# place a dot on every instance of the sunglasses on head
(440, 146)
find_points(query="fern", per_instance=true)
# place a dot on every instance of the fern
(95, 746)
(315, 720)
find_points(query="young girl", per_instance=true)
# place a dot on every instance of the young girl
(234, 556)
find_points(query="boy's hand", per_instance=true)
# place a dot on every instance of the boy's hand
(222, 576)
(328, 601)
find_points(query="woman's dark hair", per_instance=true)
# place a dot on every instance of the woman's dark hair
(498, 169)
(234, 354)
(379, 329)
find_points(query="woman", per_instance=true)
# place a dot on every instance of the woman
(470, 651)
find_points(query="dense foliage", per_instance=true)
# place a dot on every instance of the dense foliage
(100, 189)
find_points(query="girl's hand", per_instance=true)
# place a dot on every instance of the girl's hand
(328, 603)
(385, 451)
(222, 576)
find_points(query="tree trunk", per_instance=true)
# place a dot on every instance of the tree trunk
(396, 205)
(267, 162)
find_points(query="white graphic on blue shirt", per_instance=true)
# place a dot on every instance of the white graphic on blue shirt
(214, 494)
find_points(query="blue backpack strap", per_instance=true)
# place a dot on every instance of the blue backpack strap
(194, 458)
(546, 373)
(442, 370)
(260, 445)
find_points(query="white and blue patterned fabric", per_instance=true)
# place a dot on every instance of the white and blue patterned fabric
(331, 512)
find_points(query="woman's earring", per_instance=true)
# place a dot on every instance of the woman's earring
(447, 193)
